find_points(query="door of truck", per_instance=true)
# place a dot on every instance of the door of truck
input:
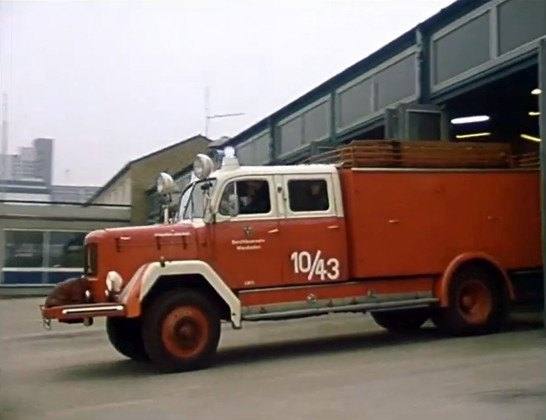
(312, 230)
(247, 247)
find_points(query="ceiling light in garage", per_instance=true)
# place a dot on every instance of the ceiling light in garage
(536, 91)
(472, 119)
(528, 137)
(534, 113)
(468, 136)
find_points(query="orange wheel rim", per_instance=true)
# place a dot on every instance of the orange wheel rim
(184, 331)
(474, 302)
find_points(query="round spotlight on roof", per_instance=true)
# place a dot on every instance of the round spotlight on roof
(471, 119)
(164, 183)
(536, 91)
(202, 166)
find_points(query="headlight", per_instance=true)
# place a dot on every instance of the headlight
(164, 183)
(113, 282)
(202, 166)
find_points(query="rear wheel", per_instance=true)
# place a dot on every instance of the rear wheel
(181, 331)
(402, 320)
(125, 334)
(477, 304)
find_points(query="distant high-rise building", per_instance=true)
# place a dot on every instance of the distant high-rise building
(27, 176)
(43, 159)
(23, 164)
(33, 162)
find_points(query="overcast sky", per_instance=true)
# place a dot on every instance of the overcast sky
(113, 80)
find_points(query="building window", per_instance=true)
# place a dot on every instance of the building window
(24, 249)
(66, 249)
(43, 249)
(308, 195)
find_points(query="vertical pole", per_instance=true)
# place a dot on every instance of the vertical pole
(273, 146)
(542, 108)
(207, 112)
(422, 63)
(333, 119)
(5, 132)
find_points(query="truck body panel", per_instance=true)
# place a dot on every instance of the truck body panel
(404, 223)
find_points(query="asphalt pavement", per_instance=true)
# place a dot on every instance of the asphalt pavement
(332, 367)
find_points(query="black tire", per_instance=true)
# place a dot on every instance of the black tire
(477, 304)
(181, 331)
(125, 334)
(400, 321)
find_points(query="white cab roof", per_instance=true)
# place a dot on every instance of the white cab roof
(274, 170)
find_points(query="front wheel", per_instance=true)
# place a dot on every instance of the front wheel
(398, 321)
(477, 304)
(181, 331)
(125, 334)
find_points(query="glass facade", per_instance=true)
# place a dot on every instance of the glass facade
(24, 249)
(65, 249)
(42, 256)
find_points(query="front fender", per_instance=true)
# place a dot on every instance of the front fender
(146, 277)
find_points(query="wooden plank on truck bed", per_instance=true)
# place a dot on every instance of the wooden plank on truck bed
(425, 154)
(527, 160)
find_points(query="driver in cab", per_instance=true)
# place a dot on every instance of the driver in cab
(253, 197)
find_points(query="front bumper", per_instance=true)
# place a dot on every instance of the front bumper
(69, 303)
(81, 313)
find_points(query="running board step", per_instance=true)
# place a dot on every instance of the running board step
(369, 306)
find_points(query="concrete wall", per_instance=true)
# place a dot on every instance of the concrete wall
(36, 213)
(132, 182)
(119, 192)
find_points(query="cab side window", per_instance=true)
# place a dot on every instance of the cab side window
(252, 195)
(308, 195)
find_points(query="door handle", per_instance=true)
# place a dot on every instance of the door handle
(333, 227)
(273, 231)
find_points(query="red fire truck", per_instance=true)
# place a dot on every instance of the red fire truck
(251, 243)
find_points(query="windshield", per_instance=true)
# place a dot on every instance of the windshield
(193, 198)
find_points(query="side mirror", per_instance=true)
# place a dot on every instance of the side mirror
(233, 205)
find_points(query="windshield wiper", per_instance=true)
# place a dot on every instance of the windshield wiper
(185, 215)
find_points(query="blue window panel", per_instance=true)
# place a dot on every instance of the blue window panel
(37, 277)
(22, 277)
(54, 278)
